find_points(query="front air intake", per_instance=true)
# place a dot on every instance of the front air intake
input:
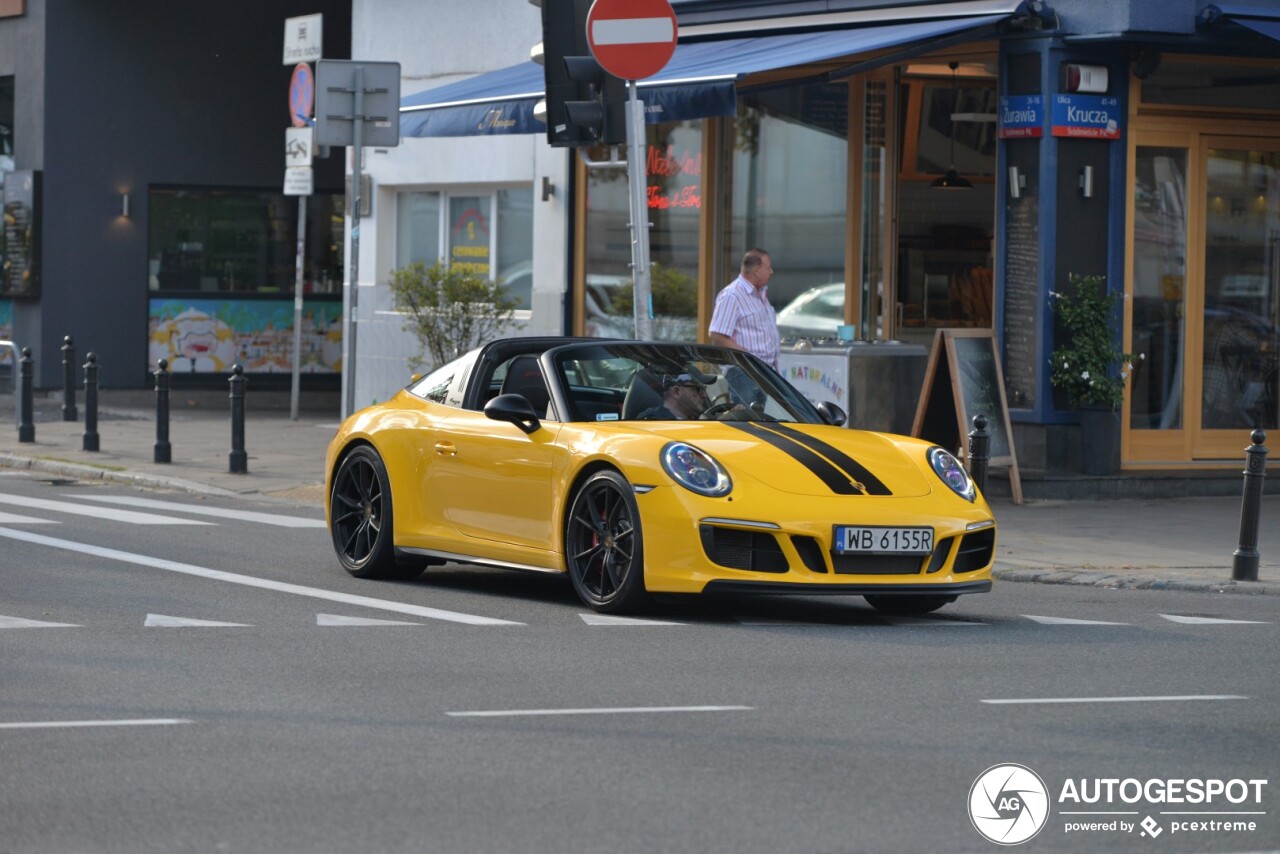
(738, 549)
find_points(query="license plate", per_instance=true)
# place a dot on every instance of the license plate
(877, 540)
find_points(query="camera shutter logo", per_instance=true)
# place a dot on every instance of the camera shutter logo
(1008, 804)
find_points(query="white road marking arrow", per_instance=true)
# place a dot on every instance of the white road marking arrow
(130, 516)
(252, 581)
(1211, 621)
(19, 623)
(1067, 621)
(160, 620)
(15, 519)
(338, 620)
(606, 620)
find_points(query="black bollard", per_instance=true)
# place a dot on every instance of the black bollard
(1245, 560)
(163, 452)
(26, 424)
(68, 379)
(239, 460)
(979, 452)
(91, 403)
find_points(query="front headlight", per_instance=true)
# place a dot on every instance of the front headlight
(947, 467)
(695, 470)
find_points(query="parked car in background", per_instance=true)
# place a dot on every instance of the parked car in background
(816, 313)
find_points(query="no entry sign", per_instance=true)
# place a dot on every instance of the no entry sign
(631, 39)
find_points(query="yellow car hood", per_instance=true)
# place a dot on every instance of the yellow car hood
(807, 459)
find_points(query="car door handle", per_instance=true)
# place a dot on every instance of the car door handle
(446, 449)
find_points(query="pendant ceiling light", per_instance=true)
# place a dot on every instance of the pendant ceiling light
(953, 180)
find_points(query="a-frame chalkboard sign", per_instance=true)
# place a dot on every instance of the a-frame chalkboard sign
(963, 379)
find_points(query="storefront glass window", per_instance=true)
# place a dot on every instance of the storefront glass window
(1191, 82)
(945, 236)
(789, 197)
(461, 228)
(208, 239)
(417, 228)
(1241, 387)
(674, 180)
(1159, 286)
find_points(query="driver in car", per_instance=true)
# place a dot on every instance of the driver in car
(684, 398)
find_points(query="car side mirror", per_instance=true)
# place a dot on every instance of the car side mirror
(832, 414)
(515, 409)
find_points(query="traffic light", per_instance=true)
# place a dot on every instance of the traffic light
(584, 105)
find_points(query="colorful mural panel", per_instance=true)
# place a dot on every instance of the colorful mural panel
(210, 335)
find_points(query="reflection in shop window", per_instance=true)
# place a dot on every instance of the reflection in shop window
(1159, 287)
(674, 179)
(789, 173)
(209, 239)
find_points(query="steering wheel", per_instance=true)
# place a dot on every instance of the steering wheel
(716, 409)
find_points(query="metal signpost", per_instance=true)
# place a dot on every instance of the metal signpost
(299, 181)
(357, 104)
(633, 39)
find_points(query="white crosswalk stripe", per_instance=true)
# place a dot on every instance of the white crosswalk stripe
(200, 510)
(132, 517)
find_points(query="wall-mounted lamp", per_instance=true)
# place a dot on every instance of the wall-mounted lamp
(1017, 181)
(1086, 182)
(124, 205)
(548, 188)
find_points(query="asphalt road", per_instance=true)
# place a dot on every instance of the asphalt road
(490, 711)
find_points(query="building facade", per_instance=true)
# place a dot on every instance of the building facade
(1132, 142)
(143, 160)
(1135, 142)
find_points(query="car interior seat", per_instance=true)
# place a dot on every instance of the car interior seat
(524, 378)
(643, 392)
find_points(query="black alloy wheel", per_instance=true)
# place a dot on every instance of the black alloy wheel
(360, 517)
(604, 548)
(906, 606)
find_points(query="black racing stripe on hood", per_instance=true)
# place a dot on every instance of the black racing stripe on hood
(851, 467)
(829, 474)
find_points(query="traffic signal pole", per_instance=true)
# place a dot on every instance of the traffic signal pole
(642, 301)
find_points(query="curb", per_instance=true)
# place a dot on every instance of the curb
(1112, 581)
(81, 472)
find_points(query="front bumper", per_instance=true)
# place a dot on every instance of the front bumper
(743, 543)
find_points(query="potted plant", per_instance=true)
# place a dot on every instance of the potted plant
(1089, 367)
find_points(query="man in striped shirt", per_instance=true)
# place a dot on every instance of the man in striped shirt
(743, 317)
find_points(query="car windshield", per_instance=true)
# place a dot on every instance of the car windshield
(629, 381)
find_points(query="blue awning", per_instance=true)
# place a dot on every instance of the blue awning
(1262, 20)
(698, 82)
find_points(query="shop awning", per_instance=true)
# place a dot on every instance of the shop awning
(1262, 20)
(698, 82)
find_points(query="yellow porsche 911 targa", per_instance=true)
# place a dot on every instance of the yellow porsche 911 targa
(645, 467)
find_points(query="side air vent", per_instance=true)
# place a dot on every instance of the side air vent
(738, 549)
(810, 551)
(940, 554)
(976, 550)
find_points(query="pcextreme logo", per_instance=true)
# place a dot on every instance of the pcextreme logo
(1009, 804)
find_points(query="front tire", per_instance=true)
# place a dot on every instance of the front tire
(360, 517)
(604, 547)
(907, 606)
